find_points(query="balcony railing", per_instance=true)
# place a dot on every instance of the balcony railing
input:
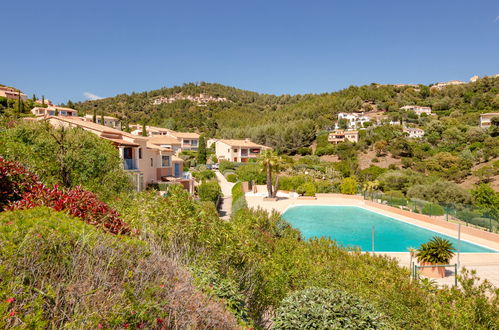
(129, 164)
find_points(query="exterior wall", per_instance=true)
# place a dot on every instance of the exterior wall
(485, 120)
(223, 151)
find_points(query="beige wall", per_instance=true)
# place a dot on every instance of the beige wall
(224, 151)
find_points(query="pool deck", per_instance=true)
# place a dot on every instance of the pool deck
(485, 264)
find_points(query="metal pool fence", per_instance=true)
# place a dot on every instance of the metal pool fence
(465, 214)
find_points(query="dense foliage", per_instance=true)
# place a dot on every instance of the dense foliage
(58, 272)
(318, 308)
(268, 261)
(69, 157)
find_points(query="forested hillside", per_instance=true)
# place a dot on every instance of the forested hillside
(290, 122)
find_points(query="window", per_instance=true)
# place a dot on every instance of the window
(152, 164)
(194, 143)
(165, 161)
(140, 153)
(235, 150)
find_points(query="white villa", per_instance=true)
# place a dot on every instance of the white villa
(414, 133)
(354, 120)
(486, 119)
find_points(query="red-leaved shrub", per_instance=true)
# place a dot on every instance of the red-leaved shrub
(20, 189)
(15, 180)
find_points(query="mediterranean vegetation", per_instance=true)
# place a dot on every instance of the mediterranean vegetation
(80, 249)
(144, 260)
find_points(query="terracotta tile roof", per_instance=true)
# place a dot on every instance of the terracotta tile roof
(97, 127)
(242, 143)
(163, 139)
(121, 142)
(185, 135)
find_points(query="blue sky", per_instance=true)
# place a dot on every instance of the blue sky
(63, 49)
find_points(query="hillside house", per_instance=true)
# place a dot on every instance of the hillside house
(53, 111)
(339, 136)
(188, 140)
(414, 133)
(108, 121)
(354, 120)
(146, 162)
(240, 151)
(12, 93)
(486, 119)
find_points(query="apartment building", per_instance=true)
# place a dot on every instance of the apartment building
(146, 162)
(108, 121)
(12, 93)
(240, 151)
(354, 120)
(340, 135)
(188, 141)
(165, 141)
(417, 109)
(486, 119)
(413, 133)
(54, 111)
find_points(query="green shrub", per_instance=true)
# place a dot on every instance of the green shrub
(319, 308)
(433, 209)
(348, 186)
(304, 151)
(232, 177)
(209, 191)
(306, 189)
(58, 272)
(238, 198)
(291, 183)
(226, 165)
(203, 175)
(326, 150)
(251, 172)
(325, 186)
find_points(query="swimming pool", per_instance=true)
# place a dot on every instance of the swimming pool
(352, 226)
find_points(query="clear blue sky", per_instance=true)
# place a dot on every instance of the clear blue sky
(63, 49)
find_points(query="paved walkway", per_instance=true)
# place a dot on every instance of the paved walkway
(485, 264)
(226, 202)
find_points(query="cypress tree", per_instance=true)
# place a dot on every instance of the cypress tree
(94, 117)
(43, 100)
(102, 121)
(201, 159)
(144, 128)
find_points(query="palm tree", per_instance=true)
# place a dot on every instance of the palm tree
(371, 186)
(437, 251)
(269, 161)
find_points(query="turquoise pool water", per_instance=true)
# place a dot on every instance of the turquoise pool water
(351, 226)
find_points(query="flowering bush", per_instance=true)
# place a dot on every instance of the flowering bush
(20, 189)
(15, 180)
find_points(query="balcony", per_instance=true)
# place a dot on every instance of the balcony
(130, 164)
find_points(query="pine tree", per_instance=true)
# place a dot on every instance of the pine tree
(201, 159)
